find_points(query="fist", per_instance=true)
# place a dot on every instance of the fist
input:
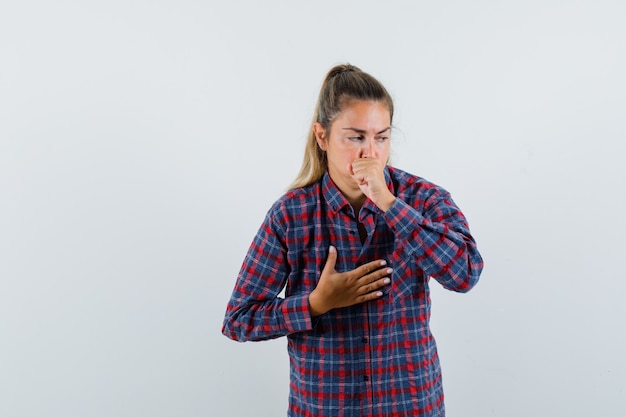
(369, 175)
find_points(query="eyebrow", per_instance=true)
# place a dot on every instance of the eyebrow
(361, 131)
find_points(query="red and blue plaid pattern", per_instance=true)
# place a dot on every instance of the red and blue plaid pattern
(373, 359)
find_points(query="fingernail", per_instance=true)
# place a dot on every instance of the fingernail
(331, 249)
(383, 263)
(387, 281)
(379, 294)
(389, 270)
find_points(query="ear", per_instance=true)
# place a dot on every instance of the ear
(320, 135)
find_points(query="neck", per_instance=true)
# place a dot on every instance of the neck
(351, 192)
(356, 202)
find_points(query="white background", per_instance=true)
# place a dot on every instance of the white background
(141, 144)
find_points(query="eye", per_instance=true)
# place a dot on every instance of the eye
(382, 138)
(356, 138)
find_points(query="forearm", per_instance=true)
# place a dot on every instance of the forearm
(441, 244)
(248, 320)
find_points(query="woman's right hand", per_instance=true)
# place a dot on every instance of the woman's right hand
(343, 289)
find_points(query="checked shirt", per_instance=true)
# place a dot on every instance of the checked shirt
(378, 358)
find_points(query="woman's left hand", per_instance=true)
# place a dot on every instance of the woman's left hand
(369, 175)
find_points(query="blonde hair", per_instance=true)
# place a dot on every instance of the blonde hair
(342, 84)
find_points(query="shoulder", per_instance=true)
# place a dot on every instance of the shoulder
(407, 184)
(295, 202)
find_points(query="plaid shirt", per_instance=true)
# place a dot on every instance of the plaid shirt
(373, 359)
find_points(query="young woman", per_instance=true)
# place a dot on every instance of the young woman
(354, 243)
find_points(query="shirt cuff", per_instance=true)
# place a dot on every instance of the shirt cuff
(296, 313)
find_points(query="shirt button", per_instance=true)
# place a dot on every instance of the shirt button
(364, 340)
(366, 378)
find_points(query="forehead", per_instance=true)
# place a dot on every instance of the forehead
(364, 115)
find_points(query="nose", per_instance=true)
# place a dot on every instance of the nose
(369, 149)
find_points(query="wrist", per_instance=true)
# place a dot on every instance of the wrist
(386, 201)
(316, 305)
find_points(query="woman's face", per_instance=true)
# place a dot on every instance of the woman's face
(361, 130)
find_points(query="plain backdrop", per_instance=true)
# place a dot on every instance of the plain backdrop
(141, 144)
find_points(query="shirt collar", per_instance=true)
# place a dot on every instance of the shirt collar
(336, 199)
